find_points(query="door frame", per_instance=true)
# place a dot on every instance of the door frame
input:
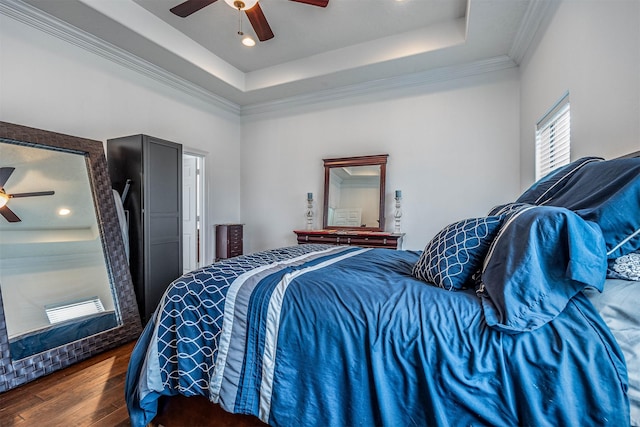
(200, 202)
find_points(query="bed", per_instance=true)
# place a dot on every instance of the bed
(527, 316)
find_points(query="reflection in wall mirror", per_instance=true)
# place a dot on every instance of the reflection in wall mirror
(354, 192)
(65, 288)
(54, 281)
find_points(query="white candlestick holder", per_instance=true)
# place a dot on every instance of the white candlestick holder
(309, 213)
(397, 215)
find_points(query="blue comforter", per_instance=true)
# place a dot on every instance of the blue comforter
(344, 336)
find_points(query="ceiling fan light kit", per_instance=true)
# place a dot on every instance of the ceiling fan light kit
(241, 5)
(247, 40)
(250, 7)
(8, 214)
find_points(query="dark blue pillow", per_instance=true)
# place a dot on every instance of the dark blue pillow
(608, 194)
(541, 258)
(456, 252)
(543, 189)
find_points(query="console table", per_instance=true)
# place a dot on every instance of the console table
(367, 239)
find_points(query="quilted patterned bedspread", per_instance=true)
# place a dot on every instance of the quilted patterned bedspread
(346, 336)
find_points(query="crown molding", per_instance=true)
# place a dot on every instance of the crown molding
(537, 13)
(437, 75)
(53, 26)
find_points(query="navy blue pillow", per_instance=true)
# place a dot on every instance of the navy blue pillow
(456, 252)
(543, 189)
(541, 258)
(608, 194)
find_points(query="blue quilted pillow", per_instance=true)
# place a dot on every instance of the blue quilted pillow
(456, 252)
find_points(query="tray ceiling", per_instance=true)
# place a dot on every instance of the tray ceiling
(348, 43)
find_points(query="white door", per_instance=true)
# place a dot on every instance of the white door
(190, 212)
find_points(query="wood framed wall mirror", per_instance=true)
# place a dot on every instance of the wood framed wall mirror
(65, 287)
(354, 193)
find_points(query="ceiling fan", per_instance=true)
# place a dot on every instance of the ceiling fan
(7, 213)
(251, 8)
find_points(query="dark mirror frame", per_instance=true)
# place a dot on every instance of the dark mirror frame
(380, 159)
(16, 372)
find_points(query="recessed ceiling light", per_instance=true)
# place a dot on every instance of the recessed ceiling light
(64, 212)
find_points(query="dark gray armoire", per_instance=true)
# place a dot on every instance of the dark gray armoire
(153, 204)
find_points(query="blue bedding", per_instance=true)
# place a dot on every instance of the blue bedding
(541, 258)
(345, 336)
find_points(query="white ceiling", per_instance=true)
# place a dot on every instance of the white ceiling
(301, 30)
(315, 50)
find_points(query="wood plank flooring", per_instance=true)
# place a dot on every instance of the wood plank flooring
(89, 393)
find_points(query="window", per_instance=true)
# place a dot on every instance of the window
(553, 138)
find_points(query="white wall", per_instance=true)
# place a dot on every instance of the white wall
(592, 49)
(50, 84)
(456, 148)
(453, 151)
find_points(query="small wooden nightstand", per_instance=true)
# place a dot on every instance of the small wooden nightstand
(228, 240)
(367, 239)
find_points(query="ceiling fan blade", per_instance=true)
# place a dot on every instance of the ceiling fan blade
(319, 3)
(5, 173)
(37, 193)
(259, 23)
(8, 214)
(190, 6)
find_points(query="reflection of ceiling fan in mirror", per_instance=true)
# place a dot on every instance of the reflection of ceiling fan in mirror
(251, 8)
(7, 213)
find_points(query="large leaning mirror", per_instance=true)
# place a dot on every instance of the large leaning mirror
(65, 287)
(354, 189)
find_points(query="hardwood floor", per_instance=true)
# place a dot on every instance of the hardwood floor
(89, 393)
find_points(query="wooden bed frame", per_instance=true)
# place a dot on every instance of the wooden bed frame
(198, 411)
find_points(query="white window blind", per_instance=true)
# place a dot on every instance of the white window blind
(553, 138)
(73, 310)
